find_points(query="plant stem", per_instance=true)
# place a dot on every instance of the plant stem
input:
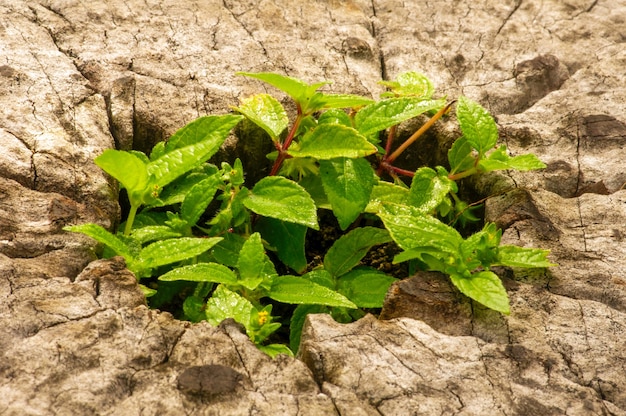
(390, 137)
(130, 219)
(463, 174)
(392, 170)
(282, 152)
(418, 133)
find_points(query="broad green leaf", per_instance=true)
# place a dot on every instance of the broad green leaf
(129, 169)
(477, 125)
(288, 239)
(460, 156)
(148, 218)
(486, 288)
(251, 262)
(266, 112)
(173, 250)
(429, 189)
(227, 251)
(302, 93)
(283, 199)
(153, 232)
(147, 292)
(157, 151)
(500, 160)
(313, 185)
(348, 250)
(274, 349)
(198, 199)
(140, 155)
(411, 229)
(295, 88)
(297, 322)
(407, 255)
(514, 256)
(176, 191)
(329, 141)
(386, 192)
(201, 129)
(321, 277)
(101, 235)
(335, 116)
(366, 287)
(182, 159)
(193, 308)
(201, 272)
(348, 184)
(389, 112)
(409, 84)
(320, 101)
(224, 303)
(292, 289)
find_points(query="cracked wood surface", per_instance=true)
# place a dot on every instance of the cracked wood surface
(79, 77)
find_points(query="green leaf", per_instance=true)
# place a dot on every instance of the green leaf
(193, 308)
(315, 188)
(460, 156)
(481, 248)
(147, 292)
(292, 289)
(386, 192)
(329, 141)
(411, 229)
(320, 101)
(157, 151)
(130, 170)
(348, 184)
(409, 84)
(224, 303)
(251, 262)
(335, 116)
(274, 349)
(295, 88)
(514, 256)
(389, 112)
(201, 140)
(288, 239)
(366, 287)
(101, 235)
(198, 199)
(173, 250)
(153, 233)
(321, 277)
(477, 125)
(176, 191)
(201, 129)
(266, 112)
(297, 322)
(500, 160)
(429, 189)
(227, 251)
(484, 287)
(201, 272)
(348, 250)
(283, 199)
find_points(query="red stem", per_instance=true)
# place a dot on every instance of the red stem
(282, 149)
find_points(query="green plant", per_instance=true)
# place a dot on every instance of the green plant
(203, 233)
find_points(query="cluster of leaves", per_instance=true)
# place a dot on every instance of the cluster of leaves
(326, 158)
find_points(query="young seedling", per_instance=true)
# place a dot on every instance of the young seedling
(195, 228)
